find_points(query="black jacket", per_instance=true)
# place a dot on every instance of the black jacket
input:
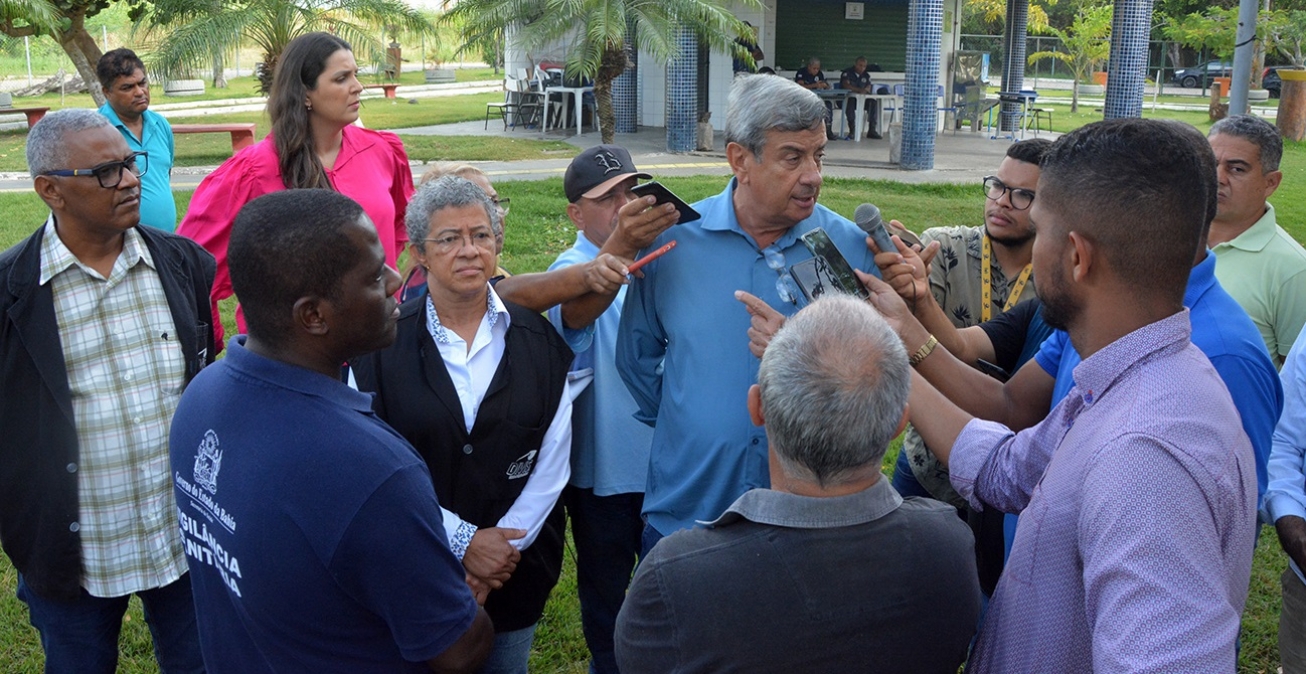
(38, 444)
(471, 471)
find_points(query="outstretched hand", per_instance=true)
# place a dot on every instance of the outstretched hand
(606, 274)
(639, 222)
(765, 322)
(906, 270)
(886, 301)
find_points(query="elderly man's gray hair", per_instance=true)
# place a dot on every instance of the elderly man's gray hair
(47, 149)
(447, 192)
(759, 103)
(1256, 131)
(834, 384)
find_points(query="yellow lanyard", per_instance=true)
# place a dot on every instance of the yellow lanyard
(986, 279)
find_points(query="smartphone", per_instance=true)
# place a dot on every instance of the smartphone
(665, 196)
(992, 370)
(828, 269)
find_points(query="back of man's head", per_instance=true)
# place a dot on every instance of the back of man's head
(834, 384)
(1138, 189)
(285, 246)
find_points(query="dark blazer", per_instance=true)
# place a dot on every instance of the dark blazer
(38, 446)
(477, 474)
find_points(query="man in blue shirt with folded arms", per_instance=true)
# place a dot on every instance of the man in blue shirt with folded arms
(682, 347)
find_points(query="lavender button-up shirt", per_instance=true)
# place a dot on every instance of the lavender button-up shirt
(1134, 549)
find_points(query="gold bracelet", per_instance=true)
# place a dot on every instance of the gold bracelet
(923, 352)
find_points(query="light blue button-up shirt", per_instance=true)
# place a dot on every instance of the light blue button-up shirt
(158, 208)
(609, 447)
(1287, 491)
(683, 353)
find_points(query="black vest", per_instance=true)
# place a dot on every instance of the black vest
(480, 474)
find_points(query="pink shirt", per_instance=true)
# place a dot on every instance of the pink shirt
(372, 169)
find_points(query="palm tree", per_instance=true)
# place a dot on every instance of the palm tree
(199, 29)
(65, 21)
(599, 31)
(1087, 44)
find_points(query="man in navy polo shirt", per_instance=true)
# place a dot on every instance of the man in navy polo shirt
(857, 79)
(312, 530)
(811, 77)
(122, 75)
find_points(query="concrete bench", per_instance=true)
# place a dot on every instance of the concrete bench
(389, 88)
(34, 115)
(242, 134)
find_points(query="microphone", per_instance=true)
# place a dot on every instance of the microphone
(867, 217)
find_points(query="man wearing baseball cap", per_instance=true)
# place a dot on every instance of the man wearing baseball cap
(609, 457)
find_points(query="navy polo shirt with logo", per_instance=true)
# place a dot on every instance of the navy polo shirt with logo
(313, 534)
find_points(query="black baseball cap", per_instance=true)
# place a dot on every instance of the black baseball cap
(593, 172)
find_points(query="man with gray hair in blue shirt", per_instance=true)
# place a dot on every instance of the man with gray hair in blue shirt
(682, 347)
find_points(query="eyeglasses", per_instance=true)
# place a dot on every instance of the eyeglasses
(1020, 198)
(448, 242)
(501, 203)
(775, 259)
(110, 173)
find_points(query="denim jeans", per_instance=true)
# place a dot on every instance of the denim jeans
(511, 652)
(904, 481)
(81, 636)
(607, 531)
(648, 539)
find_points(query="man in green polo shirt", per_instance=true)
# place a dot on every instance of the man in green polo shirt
(1257, 262)
(122, 75)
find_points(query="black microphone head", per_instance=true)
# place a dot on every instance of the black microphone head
(867, 217)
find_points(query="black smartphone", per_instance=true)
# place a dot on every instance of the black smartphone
(992, 370)
(828, 269)
(665, 196)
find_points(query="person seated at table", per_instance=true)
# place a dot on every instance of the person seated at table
(857, 79)
(478, 385)
(811, 77)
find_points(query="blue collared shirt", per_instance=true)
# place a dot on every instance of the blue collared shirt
(609, 447)
(1224, 332)
(158, 208)
(1286, 494)
(683, 353)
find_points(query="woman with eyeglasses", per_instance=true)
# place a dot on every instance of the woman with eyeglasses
(478, 385)
(414, 275)
(314, 143)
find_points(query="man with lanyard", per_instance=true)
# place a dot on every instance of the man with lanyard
(974, 268)
(127, 93)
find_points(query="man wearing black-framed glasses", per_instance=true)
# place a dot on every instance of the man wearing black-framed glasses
(105, 323)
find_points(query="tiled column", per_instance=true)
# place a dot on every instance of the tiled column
(920, 109)
(1130, 25)
(625, 99)
(682, 94)
(1013, 65)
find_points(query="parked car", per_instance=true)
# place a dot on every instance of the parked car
(1201, 75)
(1270, 81)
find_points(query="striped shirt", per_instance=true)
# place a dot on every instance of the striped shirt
(125, 375)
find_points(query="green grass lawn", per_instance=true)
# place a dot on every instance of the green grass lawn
(537, 230)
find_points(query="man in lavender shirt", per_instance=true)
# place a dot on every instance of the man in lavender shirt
(1138, 490)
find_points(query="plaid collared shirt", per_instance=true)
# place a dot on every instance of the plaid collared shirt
(125, 375)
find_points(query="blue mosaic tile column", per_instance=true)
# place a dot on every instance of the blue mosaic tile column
(1013, 64)
(625, 98)
(920, 113)
(1130, 24)
(682, 94)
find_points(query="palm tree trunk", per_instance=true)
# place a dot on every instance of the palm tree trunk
(611, 67)
(219, 77)
(84, 52)
(1074, 96)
